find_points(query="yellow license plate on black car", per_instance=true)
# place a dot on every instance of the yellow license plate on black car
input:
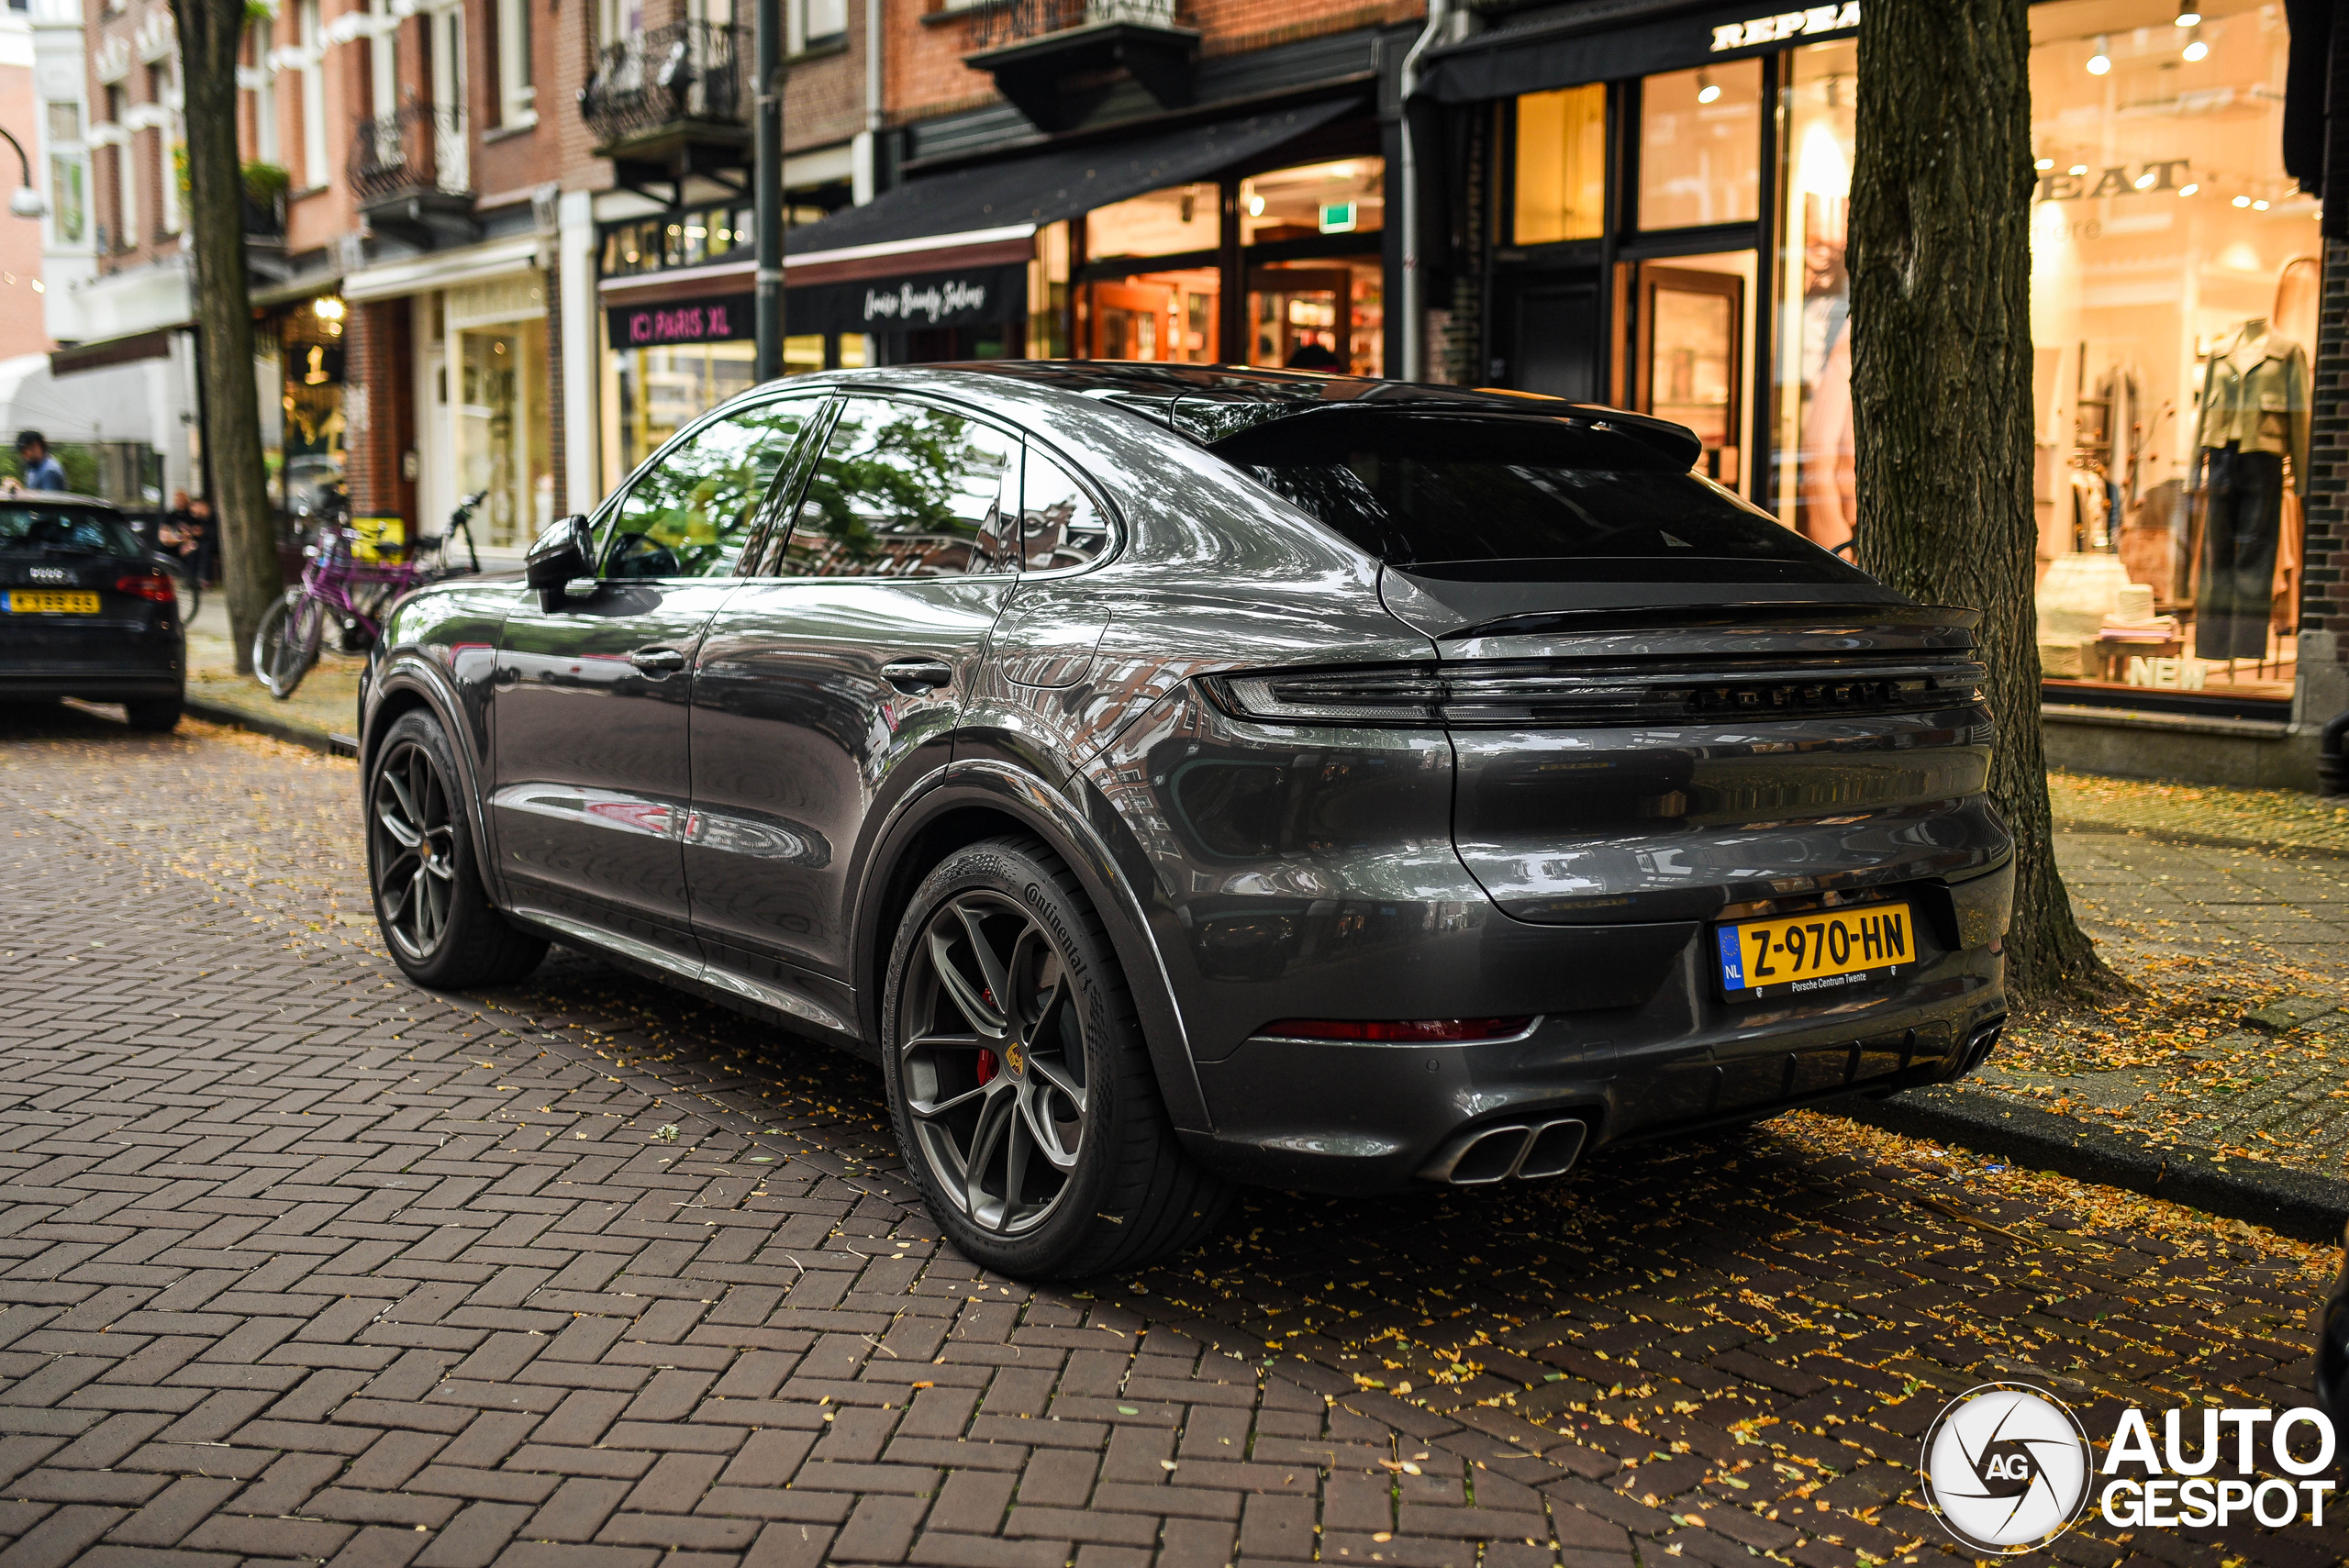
(1819, 952)
(49, 602)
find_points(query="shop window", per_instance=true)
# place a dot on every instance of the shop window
(1811, 487)
(691, 514)
(1561, 165)
(1324, 316)
(1345, 196)
(1700, 146)
(1168, 316)
(1048, 294)
(2174, 271)
(657, 392)
(1693, 345)
(905, 490)
(1172, 222)
(502, 429)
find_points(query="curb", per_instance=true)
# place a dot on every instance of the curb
(2299, 1204)
(275, 729)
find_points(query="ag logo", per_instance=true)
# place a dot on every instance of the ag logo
(2006, 1468)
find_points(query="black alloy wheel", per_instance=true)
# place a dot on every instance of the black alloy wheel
(414, 854)
(429, 902)
(996, 1077)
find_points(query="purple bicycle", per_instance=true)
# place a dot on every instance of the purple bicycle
(356, 595)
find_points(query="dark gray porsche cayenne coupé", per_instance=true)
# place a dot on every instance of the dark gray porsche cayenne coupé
(1175, 776)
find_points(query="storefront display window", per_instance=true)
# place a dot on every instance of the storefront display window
(502, 430)
(1695, 342)
(1168, 313)
(1172, 222)
(310, 466)
(1561, 165)
(1700, 146)
(2173, 294)
(1346, 196)
(1810, 484)
(1316, 289)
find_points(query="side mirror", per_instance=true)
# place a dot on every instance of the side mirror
(556, 557)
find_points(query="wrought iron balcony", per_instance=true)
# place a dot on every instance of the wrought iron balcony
(686, 74)
(1051, 58)
(411, 170)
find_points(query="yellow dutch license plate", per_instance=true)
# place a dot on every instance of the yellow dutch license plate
(49, 602)
(1821, 952)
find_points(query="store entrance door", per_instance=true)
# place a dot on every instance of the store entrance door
(1691, 337)
(1556, 344)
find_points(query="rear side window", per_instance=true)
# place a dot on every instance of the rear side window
(68, 531)
(1459, 496)
(906, 489)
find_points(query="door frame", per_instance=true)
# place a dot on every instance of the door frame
(1649, 277)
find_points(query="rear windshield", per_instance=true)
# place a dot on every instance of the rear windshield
(67, 530)
(1491, 496)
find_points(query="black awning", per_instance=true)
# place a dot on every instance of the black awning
(1053, 183)
(1538, 55)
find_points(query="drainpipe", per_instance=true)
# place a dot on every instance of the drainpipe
(1414, 268)
(2331, 767)
(868, 148)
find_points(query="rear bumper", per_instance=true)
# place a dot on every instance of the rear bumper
(1347, 1117)
(105, 683)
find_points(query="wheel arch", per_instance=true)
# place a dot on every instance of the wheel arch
(408, 686)
(977, 799)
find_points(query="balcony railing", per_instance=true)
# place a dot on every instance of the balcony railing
(1022, 20)
(416, 150)
(666, 76)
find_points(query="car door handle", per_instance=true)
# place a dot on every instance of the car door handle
(913, 676)
(657, 661)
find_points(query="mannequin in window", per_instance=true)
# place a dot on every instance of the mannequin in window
(2253, 440)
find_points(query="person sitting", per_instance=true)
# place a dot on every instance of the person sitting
(42, 472)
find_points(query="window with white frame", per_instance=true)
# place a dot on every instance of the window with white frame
(516, 98)
(68, 199)
(314, 97)
(814, 24)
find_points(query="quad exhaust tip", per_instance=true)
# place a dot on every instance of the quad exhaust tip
(1527, 1151)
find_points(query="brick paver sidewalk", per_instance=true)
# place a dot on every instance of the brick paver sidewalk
(300, 1263)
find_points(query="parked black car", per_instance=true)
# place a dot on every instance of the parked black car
(1175, 776)
(84, 611)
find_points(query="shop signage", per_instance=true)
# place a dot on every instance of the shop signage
(1787, 25)
(2117, 181)
(724, 318)
(966, 297)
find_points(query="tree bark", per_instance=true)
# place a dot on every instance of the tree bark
(210, 33)
(1939, 259)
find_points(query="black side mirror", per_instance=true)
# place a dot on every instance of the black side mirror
(557, 556)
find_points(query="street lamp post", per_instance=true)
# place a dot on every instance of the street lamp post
(767, 176)
(24, 201)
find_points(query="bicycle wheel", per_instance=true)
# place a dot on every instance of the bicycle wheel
(286, 644)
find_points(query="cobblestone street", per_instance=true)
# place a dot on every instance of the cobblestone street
(299, 1264)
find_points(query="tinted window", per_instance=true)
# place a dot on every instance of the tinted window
(68, 531)
(1439, 491)
(903, 490)
(691, 513)
(1059, 524)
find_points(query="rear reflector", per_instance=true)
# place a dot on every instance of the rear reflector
(1397, 1031)
(147, 586)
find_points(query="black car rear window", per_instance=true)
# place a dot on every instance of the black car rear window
(67, 530)
(1460, 495)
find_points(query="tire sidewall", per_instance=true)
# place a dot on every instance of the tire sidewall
(466, 902)
(1105, 1022)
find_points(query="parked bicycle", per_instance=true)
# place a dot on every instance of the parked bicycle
(352, 594)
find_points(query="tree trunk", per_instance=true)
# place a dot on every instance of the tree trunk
(1940, 260)
(210, 33)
